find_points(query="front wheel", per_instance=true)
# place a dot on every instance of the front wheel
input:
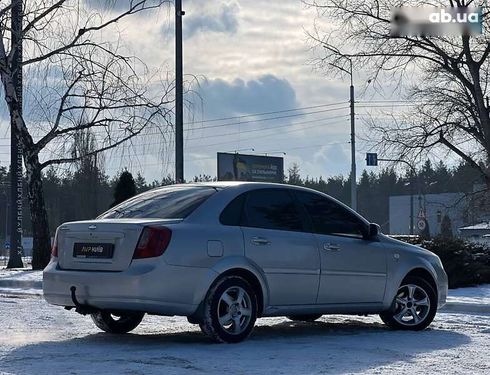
(117, 323)
(230, 310)
(414, 306)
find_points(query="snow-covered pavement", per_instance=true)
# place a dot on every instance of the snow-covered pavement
(37, 338)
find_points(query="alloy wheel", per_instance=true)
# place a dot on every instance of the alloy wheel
(412, 305)
(234, 310)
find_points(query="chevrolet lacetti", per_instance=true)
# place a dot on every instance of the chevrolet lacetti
(225, 254)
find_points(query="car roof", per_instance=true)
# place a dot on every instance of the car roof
(247, 185)
(238, 184)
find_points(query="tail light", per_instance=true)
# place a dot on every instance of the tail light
(153, 242)
(54, 246)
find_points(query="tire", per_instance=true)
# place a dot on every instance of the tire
(414, 306)
(304, 318)
(230, 310)
(120, 323)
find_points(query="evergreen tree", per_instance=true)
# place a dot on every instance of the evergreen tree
(125, 188)
(425, 233)
(204, 178)
(294, 177)
(141, 184)
(446, 227)
(167, 180)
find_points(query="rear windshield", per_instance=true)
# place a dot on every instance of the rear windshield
(165, 203)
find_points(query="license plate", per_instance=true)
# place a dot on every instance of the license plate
(93, 250)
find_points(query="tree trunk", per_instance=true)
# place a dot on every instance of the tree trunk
(41, 250)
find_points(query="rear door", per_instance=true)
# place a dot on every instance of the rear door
(353, 270)
(275, 239)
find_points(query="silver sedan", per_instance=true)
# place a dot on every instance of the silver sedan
(225, 254)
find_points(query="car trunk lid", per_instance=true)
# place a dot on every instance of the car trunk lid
(102, 245)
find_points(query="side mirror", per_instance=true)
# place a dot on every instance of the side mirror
(374, 230)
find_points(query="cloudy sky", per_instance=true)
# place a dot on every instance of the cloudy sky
(249, 63)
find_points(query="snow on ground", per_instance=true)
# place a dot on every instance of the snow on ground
(38, 338)
(475, 295)
(21, 274)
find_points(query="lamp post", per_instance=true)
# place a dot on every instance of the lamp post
(179, 96)
(353, 178)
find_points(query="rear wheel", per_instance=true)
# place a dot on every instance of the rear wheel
(304, 318)
(230, 310)
(117, 323)
(414, 306)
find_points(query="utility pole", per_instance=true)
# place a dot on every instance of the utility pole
(353, 180)
(15, 256)
(179, 96)
(95, 184)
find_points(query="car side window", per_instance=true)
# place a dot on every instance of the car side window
(329, 217)
(272, 209)
(232, 214)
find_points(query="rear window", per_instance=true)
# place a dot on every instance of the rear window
(232, 214)
(272, 209)
(165, 203)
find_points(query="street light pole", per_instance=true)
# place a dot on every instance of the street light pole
(353, 179)
(179, 100)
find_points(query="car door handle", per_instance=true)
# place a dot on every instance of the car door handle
(331, 247)
(260, 241)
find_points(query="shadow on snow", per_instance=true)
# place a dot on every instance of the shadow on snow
(349, 345)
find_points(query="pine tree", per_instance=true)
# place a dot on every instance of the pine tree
(446, 227)
(294, 175)
(425, 233)
(141, 184)
(125, 188)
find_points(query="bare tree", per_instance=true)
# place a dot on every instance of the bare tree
(446, 77)
(79, 77)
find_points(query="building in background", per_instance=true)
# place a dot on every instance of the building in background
(479, 233)
(433, 206)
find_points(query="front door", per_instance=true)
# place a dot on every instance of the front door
(353, 269)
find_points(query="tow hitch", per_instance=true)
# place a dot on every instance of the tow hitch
(80, 308)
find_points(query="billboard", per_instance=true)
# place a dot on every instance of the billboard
(239, 167)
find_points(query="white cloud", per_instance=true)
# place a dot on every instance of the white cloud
(222, 20)
(264, 94)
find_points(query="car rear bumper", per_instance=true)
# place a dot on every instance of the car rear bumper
(148, 286)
